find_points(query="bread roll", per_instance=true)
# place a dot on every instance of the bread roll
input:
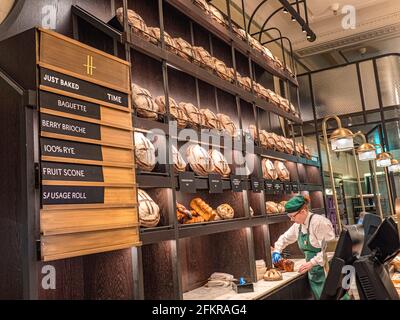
(271, 207)
(227, 124)
(221, 166)
(155, 37)
(210, 119)
(145, 152)
(225, 212)
(192, 113)
(149, 211)
(283, 172)
(178, 161)
(273, 275)
(217, 15)
(176, 112)
(203, 58)
(199, 160)
(269, 170)
(143, 103)
(135, 21)
(184, 49)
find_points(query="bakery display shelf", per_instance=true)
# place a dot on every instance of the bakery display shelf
(277, 218)
(189, 9)
(206, 228)
(310, 187)
(153, 180)
(262, 289)
(176, 62)
(309, 162)
(202, 183)
(157, 234)
(145, 125)
(276, 154)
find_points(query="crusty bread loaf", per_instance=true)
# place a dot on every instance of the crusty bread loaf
(280, 143)
(223, 71)
(177, 113)
(274, 98)
(145, 152)
(269, 170)
(178, 161)
(225, 211)
(271, 207)
(227, 124)
(155, 37)
(143, 103)
(281, 208)
(192, 113)
(273, 275)
(221, 166)
(184, 49)
(135, 21)
(203, 4)
(307, 152)
(283, 172)
(210, 119)
(199, 160)
(217, 15)
(203, 58)
(285, 265)
(149, 211)
(244, 82)
(289, 145)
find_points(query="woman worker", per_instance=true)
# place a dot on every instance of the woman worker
(309, 230)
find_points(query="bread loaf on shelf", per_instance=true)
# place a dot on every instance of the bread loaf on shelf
(178, 161)
(203, 209)
(199, 160)
(210, 119)
(184, 49)
(227, 124)
(203, 4)
(221, 165)
(155, 37)
(145, 152)
(135, 21)
(282, 171)
(223, 71)
(225, 211)
(269, 170)
(271, 208)
(203, 58)
(192, 114)
(183, 215)
(280, 143)
(143, 103)
(149, 211)
(273, 275)
(244, 82)
(289, 146)
(217, 15)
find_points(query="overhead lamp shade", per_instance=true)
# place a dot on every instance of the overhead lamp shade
(395, 166)
(384, 160)
(366, 152)
(342, 140)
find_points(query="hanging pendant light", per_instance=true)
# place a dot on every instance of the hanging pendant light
(395, 166)
(342, 140)
(366, 152)
(384, 160)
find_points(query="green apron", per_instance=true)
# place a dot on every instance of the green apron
(316, 276)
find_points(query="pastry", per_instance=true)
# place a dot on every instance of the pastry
(149, 211)
(184, 49)
(269, 170)
(178, 161)
(273, 275)
(225, 212)
(282, 171)
(203, 58)
(217, 15)
(271, 207)
(203, 209)
(227, 124)
(285, 265)
(192, 113)
(221, 166)
(203, 5)
(210, 119)
(199, 160)
(145, 152)
(143, 103)
(135, 21)
(183, 215)
(223, 71)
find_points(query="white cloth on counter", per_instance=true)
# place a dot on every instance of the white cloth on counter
(321, 229)
(220, 279)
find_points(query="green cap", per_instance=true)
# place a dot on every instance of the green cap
(295, 204)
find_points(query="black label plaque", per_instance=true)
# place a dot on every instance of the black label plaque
(187, 182)
(58, 195)
(257, 185)
(69, 84)
(69, 127)
(68, 105)
(269, 186)
(295, 187)
(71, 172)
(71, 150)
(215, 183)
(278, 187)
(288, 187)
(236, 183)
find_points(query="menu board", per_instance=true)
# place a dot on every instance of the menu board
(88, 184)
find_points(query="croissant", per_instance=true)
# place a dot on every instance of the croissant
(203, 209)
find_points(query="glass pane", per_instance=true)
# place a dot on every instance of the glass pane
(369, 85)
(305, 99)
(389, 77)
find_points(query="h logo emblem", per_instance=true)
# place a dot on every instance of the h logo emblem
(89, 65)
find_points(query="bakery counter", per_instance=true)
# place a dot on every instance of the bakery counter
(262, 289)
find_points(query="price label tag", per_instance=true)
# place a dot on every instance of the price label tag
(215, 183)
(257, 185)
(236, 183)
(187, 182)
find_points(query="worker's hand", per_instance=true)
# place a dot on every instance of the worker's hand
(305, 267)
(276, 256)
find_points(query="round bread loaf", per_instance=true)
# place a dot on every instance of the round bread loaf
(178, 161)
(269, 170)
(149, 211)
(223, 71)
(199, 160)
(256, 45)
(280, 143)
(271, 207)
(184, 49)
(135, 21)
(210, 119)
(274, 98)
(244, 82)
(143, 103)
(273, 275)
(155, 37)
(289, 145)
(307, 152)
(193, 115)
(176, 112)
(203, 58)
(227, 124)
(268, 140)
(283, 172)
(267, 53)
(217, 15)
(225, 212)
(284, 104)
(145, 152)
(221, 166)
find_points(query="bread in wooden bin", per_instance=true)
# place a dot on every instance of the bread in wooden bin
(281, 208)
(184, 49)
(183, 215)
(221, 166)
(178, 161)
(273, 275)
(284, 104)
(225, 211)
(192, 113)
(203, 4)
(268, 170)
(271, 207)
(244, 82)
(203, 209)
(210, 119)
(199, 160)
(283, 172)
(143, 103)
(274, 98)
(135, 21)
(177, 113)
(217, 15)
(145, 152)
(155, 37)
(227, 124)
(203, 58)
(149, 211)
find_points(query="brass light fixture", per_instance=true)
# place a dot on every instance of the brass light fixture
(384, 160)
(342, 140)
(395, 167)
(366, 152)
